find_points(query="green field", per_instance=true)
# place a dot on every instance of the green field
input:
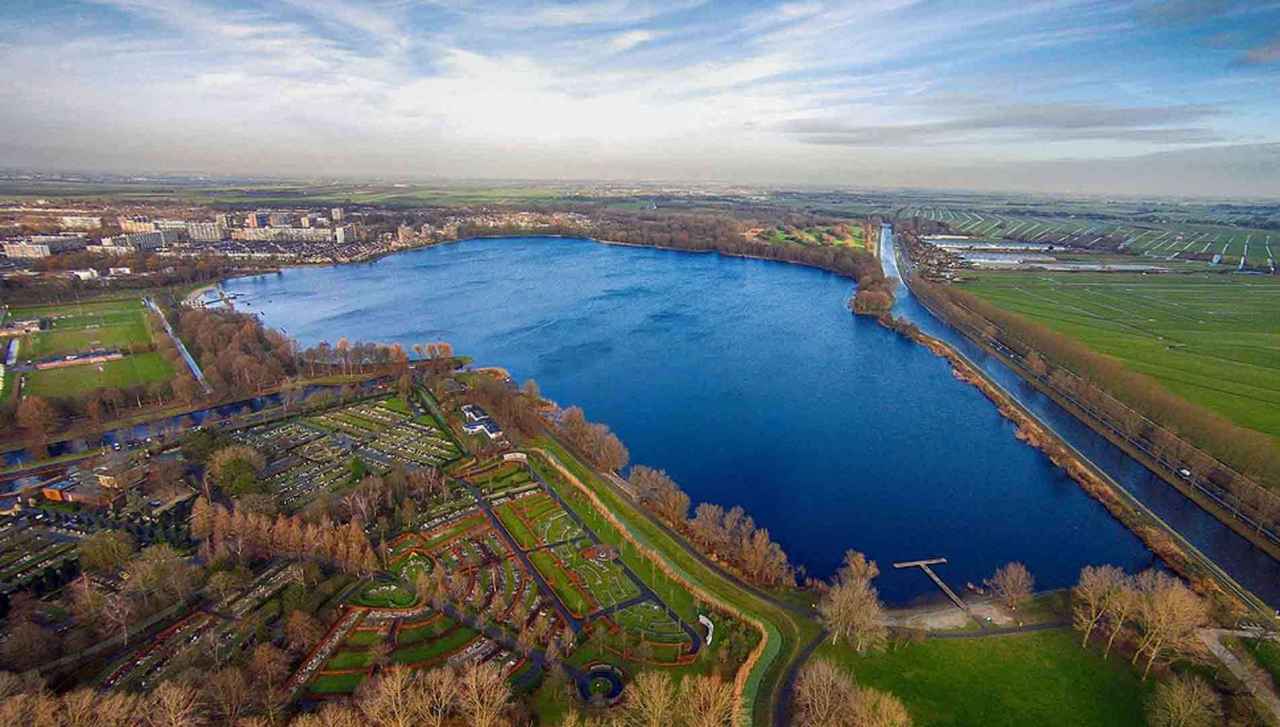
(1212, 339)
(143, 368)
(1041, 679)
(1267, 654)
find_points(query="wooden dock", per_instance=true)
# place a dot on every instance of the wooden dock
(924, 566)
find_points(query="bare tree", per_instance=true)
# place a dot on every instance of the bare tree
(1169, 616)
(824, 695)
(706, 701)
(1119, 608)
(851, 607)
(1184, 700)
(482, 694)
(1012, 584)
(651, 701)
(438, 696)
(1089, 598)
(174, 705)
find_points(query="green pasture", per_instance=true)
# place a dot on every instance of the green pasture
(1213, 339)
(1043, 678)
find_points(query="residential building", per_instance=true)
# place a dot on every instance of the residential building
(39, 246)
(137, 223)
(255, 220)
(80, 222)
(127, 244)
(344, 234)
(206, 231)
(336, 214)
(279, 219)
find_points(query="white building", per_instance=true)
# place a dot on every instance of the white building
(344, 234)
(206, 231)
(80, 222)
(39, 246)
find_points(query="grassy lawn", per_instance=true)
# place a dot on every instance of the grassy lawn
(1042, 678)
(335, 683)
(144, 368)
(1212, 339)
(385, 595)
(344, 660)
(1267, 653)
(436, 648)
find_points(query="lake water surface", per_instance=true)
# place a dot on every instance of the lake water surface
(749, 382)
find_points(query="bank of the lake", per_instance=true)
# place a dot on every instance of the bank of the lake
(749, 382)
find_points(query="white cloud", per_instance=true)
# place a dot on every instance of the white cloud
(630, 39)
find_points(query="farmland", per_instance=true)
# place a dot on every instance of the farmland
(1212, 339)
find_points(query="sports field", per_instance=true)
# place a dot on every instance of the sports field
(78, 327)
(1213, 339)
(73, 381)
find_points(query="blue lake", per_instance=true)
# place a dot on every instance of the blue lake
(749, 382)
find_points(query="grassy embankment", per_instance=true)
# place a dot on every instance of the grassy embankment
(785, 633)
(1041, 678)
(1211, 339)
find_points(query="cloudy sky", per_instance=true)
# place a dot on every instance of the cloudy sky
(1064, 95)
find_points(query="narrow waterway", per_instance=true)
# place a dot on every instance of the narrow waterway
(1248, 564)
(749, 382)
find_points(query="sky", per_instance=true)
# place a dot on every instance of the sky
(1070, 96)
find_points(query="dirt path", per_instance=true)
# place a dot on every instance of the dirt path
(1259, 683)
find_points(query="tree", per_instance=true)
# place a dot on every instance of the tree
(1012, 584)
(706, 701)
(438, 696)
(1169, 617)
(1119, 607)
(39, 418)
(824, 695)
(228, 692)
(1089, 598)
(482, 694)
(302, 631)
(106, 550)
(1184, 700)
(174, 705)
(651, 701)
(851, 607)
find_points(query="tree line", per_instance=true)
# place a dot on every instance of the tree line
(730, 535)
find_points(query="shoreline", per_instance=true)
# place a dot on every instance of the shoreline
(1120, 503)
(1162, 539)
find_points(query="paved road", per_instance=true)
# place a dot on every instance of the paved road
(1259, 684)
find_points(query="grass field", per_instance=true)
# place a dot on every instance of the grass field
(1268, 655)
(1212, 339)
(142, 368)
(1042, 678)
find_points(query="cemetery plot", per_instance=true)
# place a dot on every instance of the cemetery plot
(537, 519)
(25, 553)
(650, 621)
(595, 569)
(503, 478)
(276, 440)
(390, 435)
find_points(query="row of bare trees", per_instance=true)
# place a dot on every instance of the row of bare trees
(601, 447)
(1153, 611)
(731, 534)
(244, 536)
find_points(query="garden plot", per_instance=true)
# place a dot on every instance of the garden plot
(502, 478)
(537, 519)
(651, 622)
(606, 580)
